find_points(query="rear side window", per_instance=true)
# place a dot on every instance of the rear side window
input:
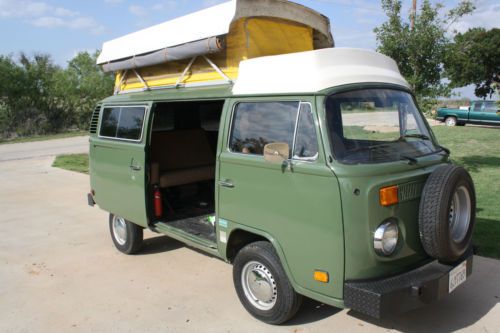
(123, 122)
(490, 107)
(258, 124)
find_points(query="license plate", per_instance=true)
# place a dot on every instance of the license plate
(458, 275)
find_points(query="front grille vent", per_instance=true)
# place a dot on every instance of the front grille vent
(95, 120)
(410, 191)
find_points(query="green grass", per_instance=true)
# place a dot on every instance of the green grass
(43, 137)
(75, 162)
(478, 150)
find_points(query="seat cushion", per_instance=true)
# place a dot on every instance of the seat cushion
(186, 176)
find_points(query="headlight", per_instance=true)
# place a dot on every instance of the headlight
(385, 239)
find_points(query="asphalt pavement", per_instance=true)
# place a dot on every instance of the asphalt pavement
(60, 272)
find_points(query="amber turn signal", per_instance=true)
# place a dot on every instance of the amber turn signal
(389, 196)
(321, 276)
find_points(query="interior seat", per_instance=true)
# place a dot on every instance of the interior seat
(181, 157)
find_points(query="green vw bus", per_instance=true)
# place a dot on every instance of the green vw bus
(309, 168)
(316, 182)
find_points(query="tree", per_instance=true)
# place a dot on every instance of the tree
(39, 112)
(81, 85)
(419, 52)
(11, 86)
(37, 96)
(473, 58)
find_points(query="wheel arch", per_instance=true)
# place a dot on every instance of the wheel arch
(241, 236)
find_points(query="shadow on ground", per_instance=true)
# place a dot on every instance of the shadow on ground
(475, 162)
(312, 311)
(159, 244)
(465, 307)
(486, 237)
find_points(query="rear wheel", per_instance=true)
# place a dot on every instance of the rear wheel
(450, 121)
(262, 285)
(127, 236)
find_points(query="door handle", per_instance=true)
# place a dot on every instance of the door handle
(134, 166)
(226, 183)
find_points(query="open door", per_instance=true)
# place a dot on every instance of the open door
(118, 161)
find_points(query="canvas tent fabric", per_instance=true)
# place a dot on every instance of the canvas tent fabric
(208, 46)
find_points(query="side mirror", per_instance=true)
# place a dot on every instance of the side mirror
(277, 152)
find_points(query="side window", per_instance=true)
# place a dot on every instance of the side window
(109, 123)
(123, 122)
(490, 107)
(257, 124)
(477, 107)
(306, 142)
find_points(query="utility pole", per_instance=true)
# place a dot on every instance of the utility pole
(413, 15)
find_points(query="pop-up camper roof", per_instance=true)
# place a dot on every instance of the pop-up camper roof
(206, 47)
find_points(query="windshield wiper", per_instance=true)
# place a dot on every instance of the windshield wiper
(418, 136)
(410, 160)
(446, 150)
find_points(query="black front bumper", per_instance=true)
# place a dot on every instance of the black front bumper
(403, 292)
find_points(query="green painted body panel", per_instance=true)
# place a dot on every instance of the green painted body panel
(362, 213)
(298, 206)
(178, 94)
(119, 189)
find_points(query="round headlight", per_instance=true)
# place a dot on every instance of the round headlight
(385, 239)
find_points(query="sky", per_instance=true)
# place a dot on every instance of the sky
(64, 28)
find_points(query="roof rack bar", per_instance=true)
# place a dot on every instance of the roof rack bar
(188, 67)
(218, 70)
(118, 88)
(141, 79)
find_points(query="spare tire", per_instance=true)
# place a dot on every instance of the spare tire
(447, 213)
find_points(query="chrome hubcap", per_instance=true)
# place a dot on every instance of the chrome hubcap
(259, 285)
(460, 214)
(450, 122)
(119, 230)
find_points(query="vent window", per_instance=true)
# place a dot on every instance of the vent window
(95, 120)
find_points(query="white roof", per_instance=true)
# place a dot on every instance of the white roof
(211, 22)
(313, 71)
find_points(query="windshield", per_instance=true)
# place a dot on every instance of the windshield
(376, 126)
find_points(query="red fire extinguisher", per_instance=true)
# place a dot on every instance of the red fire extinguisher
(158, 202)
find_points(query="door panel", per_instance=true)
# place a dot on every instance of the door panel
(298, 205)
(485, 113)
(118, 176)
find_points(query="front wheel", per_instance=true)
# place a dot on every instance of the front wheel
(450, 121)
(127, 236)
(262, 285)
